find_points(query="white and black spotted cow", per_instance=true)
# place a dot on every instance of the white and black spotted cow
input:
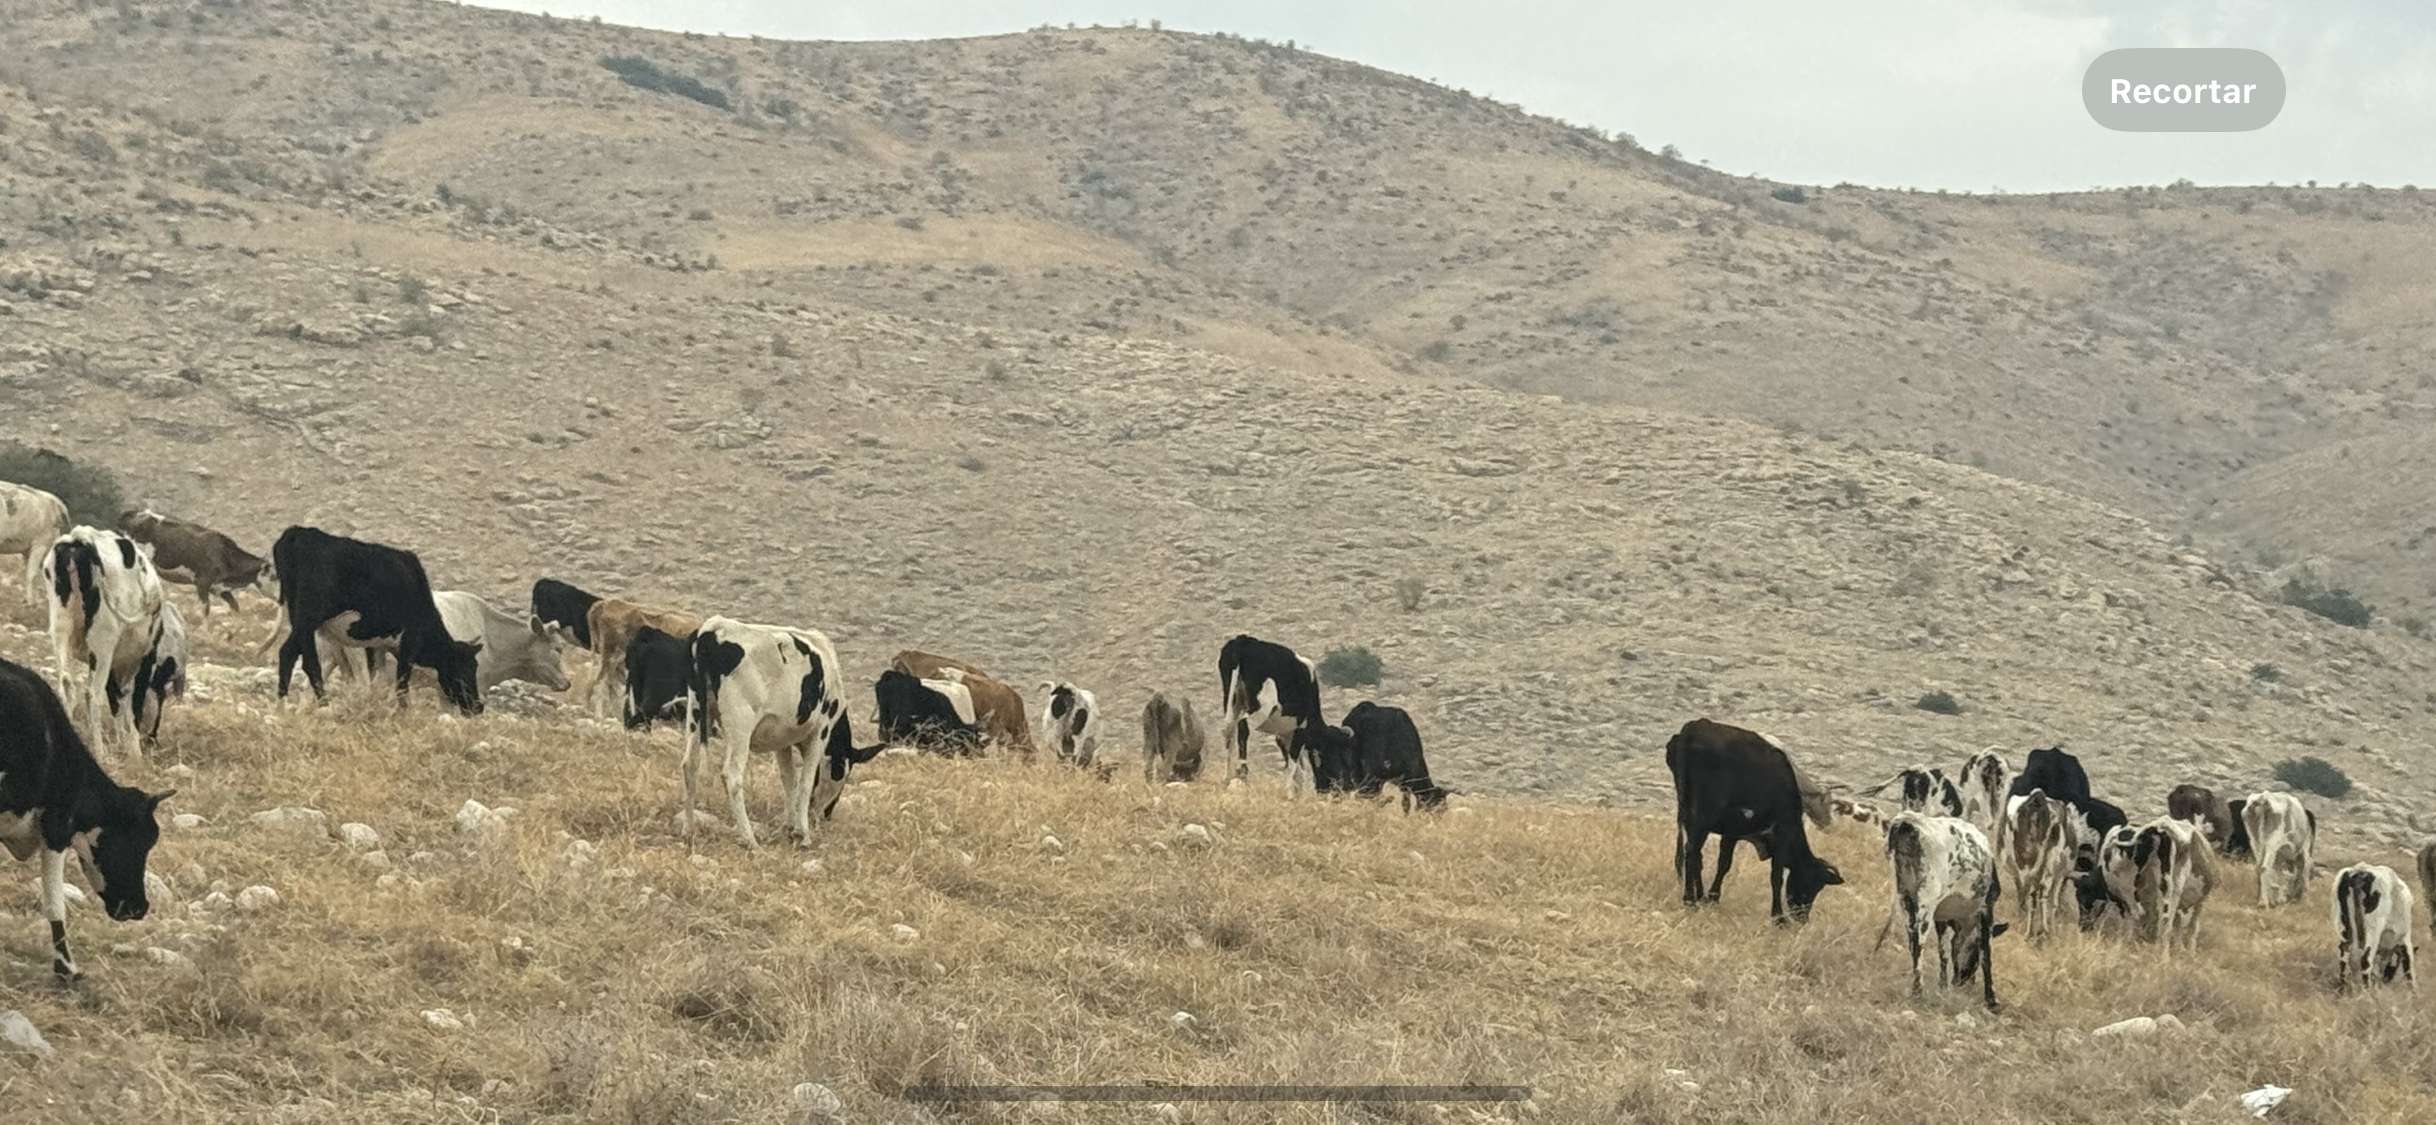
(55, 799)
(1265, 687)
(1985, 781)
(2372, 908)
(1945, 892)
(773, 690)
(105, 608)
(1070, 720)
(30, 521)
(2039, 847)
(160, 676)
(1924, 789)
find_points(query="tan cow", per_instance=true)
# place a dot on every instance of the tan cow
(212, 561)
(30, 521)
(613, 623)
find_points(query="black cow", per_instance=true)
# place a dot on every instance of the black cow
(659, 669)
(55, 798)
(1736, 785)
(1266, 687)
(2237, 839)
(2057, 773)
(322, 576)
(564, 605)
(933, 714)
(1374, 747)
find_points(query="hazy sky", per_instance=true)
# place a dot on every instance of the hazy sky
(1962, 94)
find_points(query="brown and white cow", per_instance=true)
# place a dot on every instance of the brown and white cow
(212, 561)
(997, 708)
(2177, 870)
(2201, 806)
(2283, 841)
(612, 624)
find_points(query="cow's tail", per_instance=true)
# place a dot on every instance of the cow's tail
(1882, 786)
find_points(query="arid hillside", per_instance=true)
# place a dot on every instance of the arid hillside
(1077, 352)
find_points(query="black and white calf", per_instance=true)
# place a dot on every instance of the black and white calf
(658, 668)
(55, 799)
(1737, 785)
(1070, 720)
(1945, 893)
(324, 576)
(1265, 687)
(2372, 908)
(773, 690)
(105, 612)
(935, 714)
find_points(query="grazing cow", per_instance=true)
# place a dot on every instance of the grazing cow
(55, 798)
(658, 668)
(612, 623)
(212, 561)
(324, 576)
(2427, 878)
(1070, 720)
(1377, 746)
(773, 690)
(2176, 872)
(2283, 842)
(512, 648)
(2039, 846)
(105, 615)
(1984, 784)
(1266, 687)
(2111, 877)
(1737, 785)
(568, 607)
(160, 676)
(936, 715)
(2372, 908)
(30, 521)
(1171, 740)
(1945, 891)
(2201, 806)
(2237, 837)
(998, 707)
(1925, 789)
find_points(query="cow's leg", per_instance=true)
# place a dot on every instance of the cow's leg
(203, 596)
(1154, 763)
(1776, 888)
(1687, 859)
(739, 751)
(55, 908)
(790, 782)
(695, 747)
(1916, 935)
(228, 597)
(1087, 751)
(306, 647)
(1987, 960)
(1725, 863)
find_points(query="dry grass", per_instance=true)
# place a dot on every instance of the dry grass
(1315, 942)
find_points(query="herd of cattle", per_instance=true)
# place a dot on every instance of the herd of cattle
(748, 688)
(1952, 844)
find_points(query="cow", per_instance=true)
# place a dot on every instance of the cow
(773, 690)
(2283, 842)
(2039, 847)
(1925, 789)
(2372, 909)
(512, 648)
(105, 613)
(212, 561)
(1737, 785)
(1374, 747)
(1984, 784)
(931, 666)
(160, 676)
(2427, 878)
(1171, 739)
(933, 714)
(2237, 837)
(2093, 822)
(324, 576)
(1266, 687)
(2112, 878)
(2056, 772)
(998, 707)
(566, 606)
(1945, 891)
(1070, 720)
(55, 798)
(2201, 806)
(611, 624)
(30, 521)
(2176, 873)
(658, 667)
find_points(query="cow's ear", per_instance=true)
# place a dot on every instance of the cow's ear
(540, 627)
(156, 799)
(1829, 876)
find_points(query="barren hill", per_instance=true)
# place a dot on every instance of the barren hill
(1079, 351)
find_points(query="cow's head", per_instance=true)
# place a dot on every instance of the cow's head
(113, 851)
(545, 658)
(1329, 752)
(458, 664)
(1803, 882)
(139, 522)
(829, 774)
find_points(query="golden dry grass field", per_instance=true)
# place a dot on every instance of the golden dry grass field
(593, 967)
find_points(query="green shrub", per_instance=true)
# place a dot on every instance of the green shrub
(1940, 703)
(1347, 667)
(1791, 195)
(644, 74)
(2313, 775)
(91, 492)
(2332, 603)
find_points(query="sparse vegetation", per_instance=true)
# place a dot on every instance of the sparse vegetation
(91, 492)
(2266, 673)
(1349, 667)
(644, 74)
(2314, 775)
(2332, 603)
(1410, 592)
(1790, 194)
(414, 291)
(1939, 703)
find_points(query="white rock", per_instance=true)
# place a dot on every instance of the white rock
(156, 890)
(294, 819)
(361, 837)
(2257, 1101)
(168, 958)
(74, 894)
(2137, 1027)
(376, 860)
(818, 1102)
(256, 899)
(701, 821)
(1197, 836)
(1462, 810)
(1183, 1021)
(21, 1034)
(1052, 843)
(476, 818)
(904, 934)
(810, 867)
(443, 1019)
(187, 822)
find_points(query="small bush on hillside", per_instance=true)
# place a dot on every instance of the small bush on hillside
(2415, 625)
(91, 492)
(1940, 703)
(1348, 667)
(413, 290)
(2332, 603)
(1410, 592)
(642, 73)
(1791, 195)
(2266, 673)
(2313, 775)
